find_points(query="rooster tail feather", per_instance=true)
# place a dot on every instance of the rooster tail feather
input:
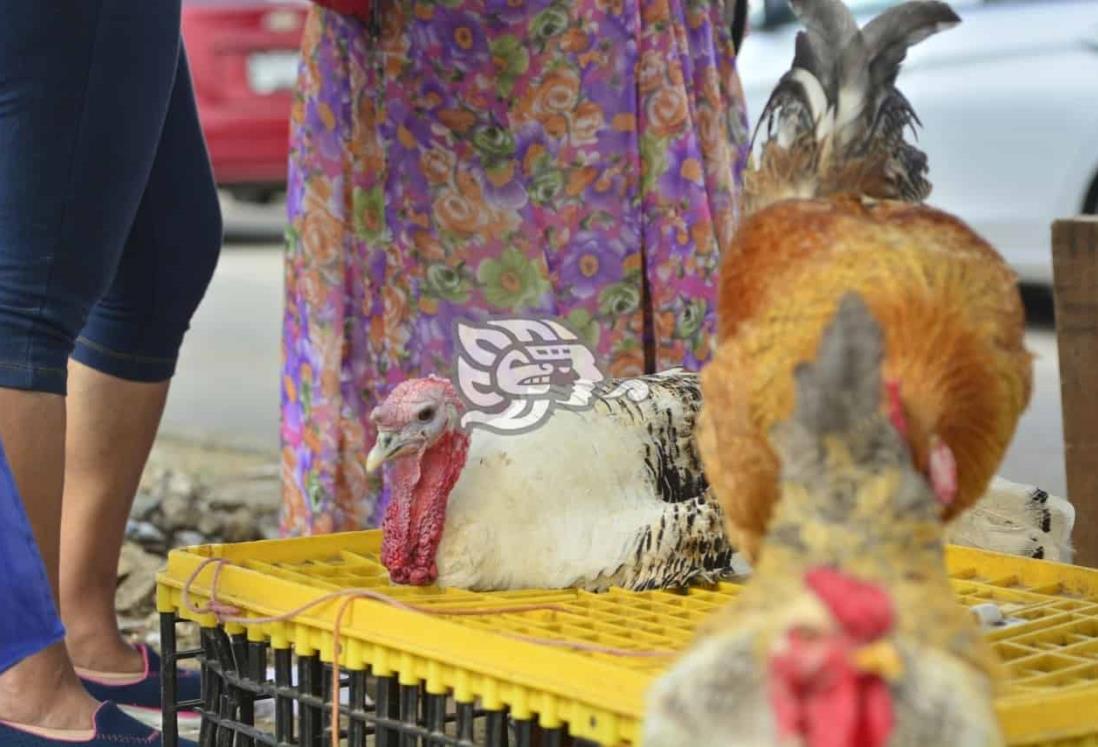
(888, 36)
(835, 122)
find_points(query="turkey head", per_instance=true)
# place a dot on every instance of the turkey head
(420, 437)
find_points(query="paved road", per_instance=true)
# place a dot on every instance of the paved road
(227, 388)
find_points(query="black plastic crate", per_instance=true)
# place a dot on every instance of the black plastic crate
(380, 713)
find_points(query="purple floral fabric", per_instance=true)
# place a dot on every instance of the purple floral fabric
(484, 158)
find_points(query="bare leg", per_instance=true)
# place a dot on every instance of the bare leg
(41, 690)
(112, 424)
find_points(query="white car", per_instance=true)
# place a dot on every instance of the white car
(1009, 105)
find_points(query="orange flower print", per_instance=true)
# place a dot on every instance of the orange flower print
(579, 180)
(428, 305)
(611, 7)
(711, 88)
(674, 73)
(468, 185)
(556, 125)
(430, 99)
(702, 233)
(393, 20)
(406, 138)
(317, 197)
(458, 120)
(667, 111)
(326, 115)
(665, 325)
(624, 123)
(438, 164)
(455, 212)
(586, 123)
(575, 40)
(395, 301)
(691, 170)
(377, 327)
(558, 92)
(312, 288)
(354, 435)
(463, 37)
(533, 156)
(708, 130)
(329, 380)
(650, 71)
(430, 248)
(655, 11)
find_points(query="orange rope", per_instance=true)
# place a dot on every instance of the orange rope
(228, 614)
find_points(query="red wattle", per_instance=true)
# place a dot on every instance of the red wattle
(817, 695)
(397, 524)
(878, 718)
(416, 514)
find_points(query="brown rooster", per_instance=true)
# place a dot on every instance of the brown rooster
(835, 206)
(848, 634)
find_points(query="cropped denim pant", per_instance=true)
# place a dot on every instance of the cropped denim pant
(110, 227)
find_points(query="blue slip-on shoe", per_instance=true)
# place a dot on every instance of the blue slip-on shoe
(140, 696)
(113, 728)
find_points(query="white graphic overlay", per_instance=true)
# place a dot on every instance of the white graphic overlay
(513, 372)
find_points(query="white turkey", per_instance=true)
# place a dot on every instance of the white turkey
(611, 495)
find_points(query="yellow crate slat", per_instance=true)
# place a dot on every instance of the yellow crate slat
(1050, 645)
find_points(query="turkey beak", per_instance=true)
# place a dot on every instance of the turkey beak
(388, 445)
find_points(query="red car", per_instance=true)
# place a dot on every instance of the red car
(244, 57)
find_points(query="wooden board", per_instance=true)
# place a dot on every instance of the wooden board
(1075, 279)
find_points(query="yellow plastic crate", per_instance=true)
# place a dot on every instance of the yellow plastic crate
(1050, 643)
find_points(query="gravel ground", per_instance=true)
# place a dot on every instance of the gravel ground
(191, 494)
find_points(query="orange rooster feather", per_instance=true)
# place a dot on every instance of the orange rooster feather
(835, 205)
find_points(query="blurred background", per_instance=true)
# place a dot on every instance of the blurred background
(1010, 128)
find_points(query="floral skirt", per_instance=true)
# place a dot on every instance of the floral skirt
(490, 158)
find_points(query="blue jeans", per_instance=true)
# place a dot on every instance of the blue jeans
(110, 226)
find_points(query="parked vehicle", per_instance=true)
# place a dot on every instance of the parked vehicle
(244, 59)
(1008, 105)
